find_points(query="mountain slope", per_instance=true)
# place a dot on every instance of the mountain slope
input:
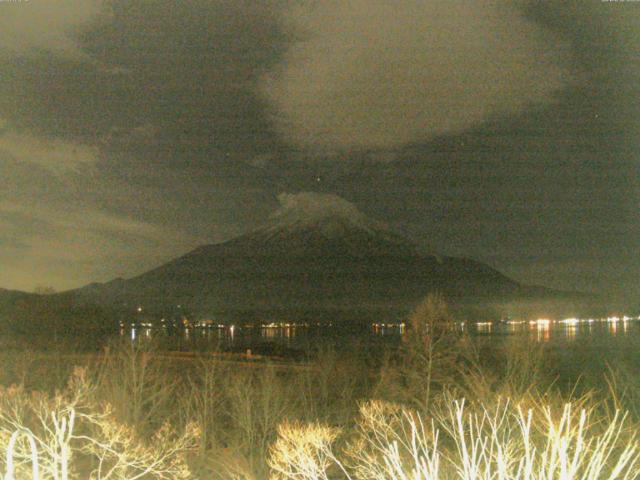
(317, 252)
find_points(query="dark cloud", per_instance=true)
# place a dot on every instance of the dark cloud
(186, 69)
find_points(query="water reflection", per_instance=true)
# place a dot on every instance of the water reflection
(299, 336)
(542, 328)
(386, 329)
(282, 334)
(484, 327)
(570, 331)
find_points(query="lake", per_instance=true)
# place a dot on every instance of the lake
(573, 340)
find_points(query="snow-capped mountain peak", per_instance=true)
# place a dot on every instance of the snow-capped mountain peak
(316, 224)
(328, 213)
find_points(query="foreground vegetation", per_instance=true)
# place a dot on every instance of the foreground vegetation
(441, 406)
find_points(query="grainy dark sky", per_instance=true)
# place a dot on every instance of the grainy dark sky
(134, 130)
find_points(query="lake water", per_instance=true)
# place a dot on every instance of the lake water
(602, 337)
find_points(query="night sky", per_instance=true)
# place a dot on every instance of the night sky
(132, 131)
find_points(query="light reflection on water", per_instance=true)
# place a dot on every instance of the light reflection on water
(571, 331)
(292, 336)
(568, 330)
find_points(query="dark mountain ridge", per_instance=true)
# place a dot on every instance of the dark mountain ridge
(317, 256)
(316, 252)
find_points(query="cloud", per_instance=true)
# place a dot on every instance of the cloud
(54, 154)
(82, 219)
(382, 74)
(42, 24)
(303, 208)
(71, 246)
(185, 69)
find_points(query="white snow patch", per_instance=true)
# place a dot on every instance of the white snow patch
(330, 213)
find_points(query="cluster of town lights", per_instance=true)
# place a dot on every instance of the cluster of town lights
(540, 323)
(543, 322)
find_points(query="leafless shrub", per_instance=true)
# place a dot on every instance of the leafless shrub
(501, 441)
(137, 383)
(72, 435)
(429, 357)
(303, 452)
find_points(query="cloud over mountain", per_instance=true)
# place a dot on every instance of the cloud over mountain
(382, 74)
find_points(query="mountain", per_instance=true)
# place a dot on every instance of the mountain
(317, 252)
(9, 298)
